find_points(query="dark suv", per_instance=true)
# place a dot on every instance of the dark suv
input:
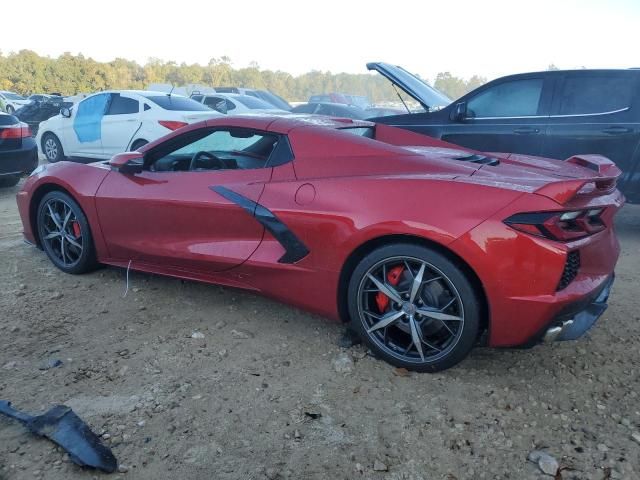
(553, 114)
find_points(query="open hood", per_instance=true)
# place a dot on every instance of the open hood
(430, 98)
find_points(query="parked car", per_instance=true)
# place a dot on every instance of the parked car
(375, 112)
(356, 221)
(107, 123)
(359, 101)
(12, 101)
(553, 114)
(41, 108)
(18, 150)
(269, 97)
(331, 110)
(234, 103)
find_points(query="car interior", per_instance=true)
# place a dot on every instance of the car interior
(232, 149)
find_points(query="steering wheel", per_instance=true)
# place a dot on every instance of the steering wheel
(201, 154)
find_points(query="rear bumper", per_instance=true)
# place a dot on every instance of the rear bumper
(17, 162)
(577, 318)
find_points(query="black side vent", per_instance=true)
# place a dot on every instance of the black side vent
(482, 159)
(570, 271)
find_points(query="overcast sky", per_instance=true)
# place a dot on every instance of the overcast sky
(486, 37)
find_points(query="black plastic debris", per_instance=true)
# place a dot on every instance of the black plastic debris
(62, 426)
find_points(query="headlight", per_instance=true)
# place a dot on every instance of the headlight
(38, 170)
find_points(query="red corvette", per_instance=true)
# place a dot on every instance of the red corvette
(421, 245)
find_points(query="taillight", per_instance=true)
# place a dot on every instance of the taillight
(561, 226)
(172, 124)
(21, 130)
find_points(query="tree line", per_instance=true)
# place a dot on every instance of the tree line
(26, 72)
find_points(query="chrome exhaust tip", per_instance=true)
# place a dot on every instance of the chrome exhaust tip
(554, 332)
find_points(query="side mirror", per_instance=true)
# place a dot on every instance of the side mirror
(128, 163)
(65, 112)
(459, 112)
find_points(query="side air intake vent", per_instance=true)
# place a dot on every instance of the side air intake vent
(570, 271)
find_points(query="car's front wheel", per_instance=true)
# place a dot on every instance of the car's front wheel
(64, 233)
(52, 148)
(414, 307)
(9, 181)
(138, 144)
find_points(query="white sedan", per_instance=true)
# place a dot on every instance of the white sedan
(111, 122)
(12, 101)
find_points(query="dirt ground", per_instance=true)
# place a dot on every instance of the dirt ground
(238, 403)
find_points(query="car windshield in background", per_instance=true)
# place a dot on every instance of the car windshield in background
(173, 102)
(253, 102)
(13, 96)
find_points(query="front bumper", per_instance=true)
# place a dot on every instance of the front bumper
(576, 319)
(17, 162)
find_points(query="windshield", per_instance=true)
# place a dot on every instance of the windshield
(173, 102)
(254, 103)
(13, 96)
(430, 98)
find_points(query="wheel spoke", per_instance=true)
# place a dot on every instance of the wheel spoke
(415, 337)
(73, 242)
(62, 250)
(386, 320)
(437, 315)
(386, 289)
(52, 235)
(66, 218)
(54, 217)
(417, 283)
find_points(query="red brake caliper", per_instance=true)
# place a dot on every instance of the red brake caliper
(76, 229)
(393, 277)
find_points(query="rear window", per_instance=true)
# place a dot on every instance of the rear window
(7, 119)
(172, 102)
(582, 95)
(367, 132)
(252, 102)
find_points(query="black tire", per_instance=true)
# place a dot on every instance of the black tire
(451, 287)
(10, 181)
(137, 144)
(76, 260)
(52, 148)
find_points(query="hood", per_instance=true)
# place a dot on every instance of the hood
(430, 98)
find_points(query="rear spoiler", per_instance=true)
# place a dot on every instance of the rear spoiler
(603, 180)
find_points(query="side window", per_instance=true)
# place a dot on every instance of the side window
(216, 103)
(515, 98)
(229, 149)
(122, 105)
(583, 95)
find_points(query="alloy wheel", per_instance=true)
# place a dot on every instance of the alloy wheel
(51, 148)
(410, 309)
(62, 232)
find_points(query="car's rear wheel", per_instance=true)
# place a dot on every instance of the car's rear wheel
(65, 234)
(52, 148)
(9, 181)
(414, 307)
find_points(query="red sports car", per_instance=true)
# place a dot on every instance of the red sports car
(421, 245)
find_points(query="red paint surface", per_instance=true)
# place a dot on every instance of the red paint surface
(172, 223)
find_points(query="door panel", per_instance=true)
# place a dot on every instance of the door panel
(509, 116)
(83, 131)
(120, 123)
(175, 219)
(596, 113)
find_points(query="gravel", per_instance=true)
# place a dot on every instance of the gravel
(233, 406)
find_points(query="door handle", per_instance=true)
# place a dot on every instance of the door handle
(616, 130)
(526, 131)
